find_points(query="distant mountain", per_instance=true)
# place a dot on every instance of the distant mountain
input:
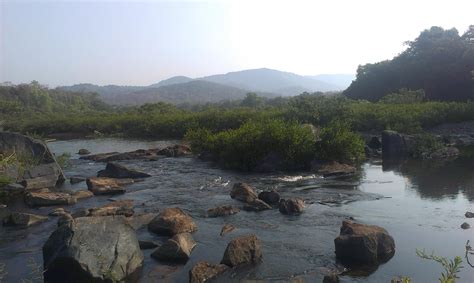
(268, 80)
(234, 85)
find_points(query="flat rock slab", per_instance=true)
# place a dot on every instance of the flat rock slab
(49, 198)
(92, 249)
(107, 186)
(115, 170)
(23, 219)
(121, 207)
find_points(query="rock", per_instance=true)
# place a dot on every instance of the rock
(107, 186)
(395, 145)
(331, 278)
(82, 194)
(359, 244)
(39, 182)
(81, 213)
(92, 249)
(115, 170)
(65, 219)
(270, 197)
(118, 156)
(469, 214)
(58, 212)
(375, 143)
(224, 210)
(176, 249)
(83, 151)
(172, 221)
(13, 189)
(45, 166)
(49, 198)
(243, 250)
(23, 219)
(146, 245)
(257, 205)
(175, 151)
(332, 168)
(203, 272)
(465, 226)
(227, 228)
(291, 206)
(76, 179)
(120, 207)
(140, 220)
(243, 192)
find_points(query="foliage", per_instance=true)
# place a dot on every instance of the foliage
(338, 142)
(63, 159)
(426, 144)
(404, 96)
(439, 61)
(451, 267)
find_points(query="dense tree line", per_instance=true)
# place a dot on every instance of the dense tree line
(438, 61)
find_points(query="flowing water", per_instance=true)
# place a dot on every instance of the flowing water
(422, 205)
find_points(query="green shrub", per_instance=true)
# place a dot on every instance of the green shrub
(426, 144)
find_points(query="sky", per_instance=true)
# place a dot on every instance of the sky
(142, 42)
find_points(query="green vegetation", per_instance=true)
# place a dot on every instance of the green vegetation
(451, 266)
(63, 159)
(439, 61)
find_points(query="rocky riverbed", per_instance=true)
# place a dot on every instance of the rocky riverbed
(294, 246)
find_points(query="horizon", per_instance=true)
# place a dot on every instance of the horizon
(138, 44)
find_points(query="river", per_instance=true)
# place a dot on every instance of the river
(421, 204)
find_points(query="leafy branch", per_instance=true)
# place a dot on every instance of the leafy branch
(451, 267)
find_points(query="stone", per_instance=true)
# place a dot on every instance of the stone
(115, 170)
(395, 145)
(332, 169)
(35, 199)
(137, 221)
(120, 207)
(76, 179)
(82, 194)
(65, 219)
(23, 219)
(469, 214)
(243, 192)
(243, 250)
(270, 197)
(465, 226)
(331, 278)
(92, 249)
(107, 186)
(204, 272)
(146, 245)
(227, 228)
(175, 151)
(58, 212)
(49, 181)
(359, 244)
(176, 249)
(83, 151)
(172, 221)
(291, 206)
(224, 210)
(257, 205)
(13, 189)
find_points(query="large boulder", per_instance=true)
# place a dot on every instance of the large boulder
(270, 197)
(203, 272)
(107, 186)
(243, 192)
(92, 249)
(243, 250)
(41, 162)
(46, 198)
(224, 210)
(172, 221)
(177, 249)
(23, 219)
(291, 206)
(395, 145)
(115, 170)
(359, 244)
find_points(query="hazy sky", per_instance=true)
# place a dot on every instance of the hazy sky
(139, 43)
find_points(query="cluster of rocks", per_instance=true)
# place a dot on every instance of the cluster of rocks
(466, 225)
(140, 154)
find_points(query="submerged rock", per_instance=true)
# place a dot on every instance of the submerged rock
(23, 219)
(203, 272)
(227, 228)
(92, 249)
(115, 170)
(146, 245)
(176, 249)
(172, 221)
(270, 197)
(291, 206)
(107, 186)
(49, 198)
(224, 210)
(360, 244)
(465, 226)
(83, 151)
(243, 192)
(243, 250)
(76, 179)
(257, 205)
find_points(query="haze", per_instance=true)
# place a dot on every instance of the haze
(129, 43)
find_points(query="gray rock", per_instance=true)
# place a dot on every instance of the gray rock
(243, 250)
(360, 244)
(176, 249)
(469, 214)
(291, 206)
(465, 226)
(243, 192)
(172, 221)
(92, 249)
(395, 145)
(23, 219)
(270, 197)
(83, 151)
(146, 245)
(115, 170)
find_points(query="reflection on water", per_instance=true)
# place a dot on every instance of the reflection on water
(421, 205)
